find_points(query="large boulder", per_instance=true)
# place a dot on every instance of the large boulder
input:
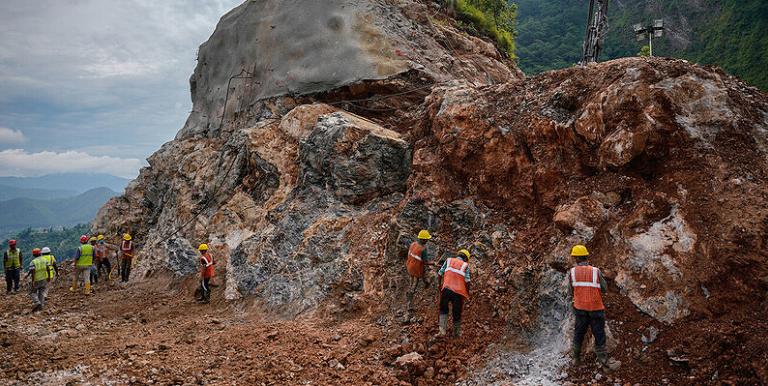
(273, 48)
(355, 158)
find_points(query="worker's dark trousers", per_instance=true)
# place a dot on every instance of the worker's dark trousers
(586, 320)
(104, 266)
(12, 279)
(125, 269)
(205, 289)
(455, 300)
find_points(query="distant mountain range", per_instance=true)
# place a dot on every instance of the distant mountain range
(11, 192)
(54, 201)
(22, 213)
(74, 183)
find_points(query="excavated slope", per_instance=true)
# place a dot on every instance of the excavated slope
(377, 120)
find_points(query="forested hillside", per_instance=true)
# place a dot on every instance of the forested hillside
(21, 213)
(63, 242)
(728, 33)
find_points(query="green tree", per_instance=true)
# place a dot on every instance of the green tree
(645, 51)
(493, 18)
(727, 33)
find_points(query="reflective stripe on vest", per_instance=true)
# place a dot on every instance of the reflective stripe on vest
(207, 270)
(587, 294)
(41, 269)
(455, 277)
(460, 271)
(14, 259)
(86, 256)
(127, 246)
(595, 283)
(414, 263)
(50, 260)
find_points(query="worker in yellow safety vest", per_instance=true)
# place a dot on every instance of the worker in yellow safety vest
(41, 276)
(51, 261)
(12, 263)
(83, 264)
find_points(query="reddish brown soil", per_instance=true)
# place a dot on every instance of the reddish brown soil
(151, 333)
(154, 333)
(730, 349)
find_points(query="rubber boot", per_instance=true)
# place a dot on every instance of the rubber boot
(576, 356)
(73, 288)
(457, 329)
(87, 289)
(443, 319)
(605, 361)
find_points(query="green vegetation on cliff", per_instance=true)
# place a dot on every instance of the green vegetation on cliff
(728, 33)
(493, 18)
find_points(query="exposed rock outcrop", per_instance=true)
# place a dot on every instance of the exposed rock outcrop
(374, 121)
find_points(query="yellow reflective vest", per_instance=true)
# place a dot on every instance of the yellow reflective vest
(86, 256)
(14, 259)
(50, 260)
(41, 269)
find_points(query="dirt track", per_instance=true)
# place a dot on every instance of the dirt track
(148, 333)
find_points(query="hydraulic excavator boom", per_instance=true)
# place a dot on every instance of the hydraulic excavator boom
(597, 26)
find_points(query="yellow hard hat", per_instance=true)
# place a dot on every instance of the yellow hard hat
(203, 247)
(424, 235)
(92, 239)
(464, 252)
(579, 251)
(127, 237)
(101, 237)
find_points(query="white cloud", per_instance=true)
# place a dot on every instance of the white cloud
(18, 162)
(84, 74)
(11, 136)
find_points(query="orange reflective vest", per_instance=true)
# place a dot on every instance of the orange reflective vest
(415, 262)
(100, 252)
(455, 277)
(127, 249)
(206, 260)
(585, 280)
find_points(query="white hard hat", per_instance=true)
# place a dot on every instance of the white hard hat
(46, 250)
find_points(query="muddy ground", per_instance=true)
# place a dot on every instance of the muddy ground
(153, 332)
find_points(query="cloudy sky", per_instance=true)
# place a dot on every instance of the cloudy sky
(96, 85)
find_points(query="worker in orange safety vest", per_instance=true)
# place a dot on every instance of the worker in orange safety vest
(126, 257)
(415, 264)
(206, 273)
(454, 290)
(587, 285)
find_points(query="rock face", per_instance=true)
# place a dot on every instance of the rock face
(284, 186)
(357, 159)
(312, 185)
(273, 48)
